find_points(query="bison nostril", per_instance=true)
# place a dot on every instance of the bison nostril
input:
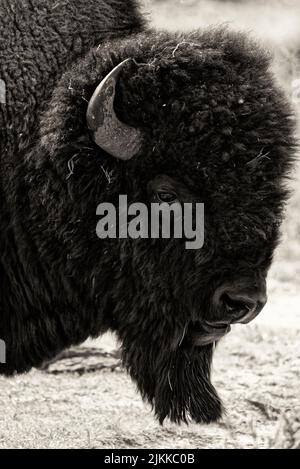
(238, 302)
(234, 305)
(238, 306)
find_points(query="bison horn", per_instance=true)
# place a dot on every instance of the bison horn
(108, 132)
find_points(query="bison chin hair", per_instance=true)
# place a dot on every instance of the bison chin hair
(175, 382)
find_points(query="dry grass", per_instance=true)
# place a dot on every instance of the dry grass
(89, 402)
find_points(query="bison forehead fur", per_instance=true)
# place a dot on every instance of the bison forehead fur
(212, 118)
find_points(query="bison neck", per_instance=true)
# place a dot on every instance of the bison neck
(39, 41)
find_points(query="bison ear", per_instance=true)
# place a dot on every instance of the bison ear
(108, 132)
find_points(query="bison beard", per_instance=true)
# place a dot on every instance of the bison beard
(176, 383)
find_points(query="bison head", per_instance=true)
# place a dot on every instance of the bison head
(206, 124)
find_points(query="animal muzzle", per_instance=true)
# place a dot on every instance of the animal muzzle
(231, 304)
(238, 303)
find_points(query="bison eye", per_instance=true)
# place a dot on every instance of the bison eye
(168, 197)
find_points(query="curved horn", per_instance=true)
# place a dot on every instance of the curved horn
(109, 133)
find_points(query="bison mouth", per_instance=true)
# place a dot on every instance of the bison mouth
(205, 333)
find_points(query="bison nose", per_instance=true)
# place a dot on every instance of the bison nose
(237, 305)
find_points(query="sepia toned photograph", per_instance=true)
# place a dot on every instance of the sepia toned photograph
(150, 226)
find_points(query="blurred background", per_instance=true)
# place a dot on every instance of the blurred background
(85, 400)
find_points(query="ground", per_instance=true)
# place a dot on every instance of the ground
(85, 400)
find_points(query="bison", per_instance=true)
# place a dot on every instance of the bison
(98, 104)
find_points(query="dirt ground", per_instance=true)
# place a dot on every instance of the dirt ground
(85, 400)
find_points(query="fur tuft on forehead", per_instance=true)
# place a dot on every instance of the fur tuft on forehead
(205, 100)
(208, 109)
